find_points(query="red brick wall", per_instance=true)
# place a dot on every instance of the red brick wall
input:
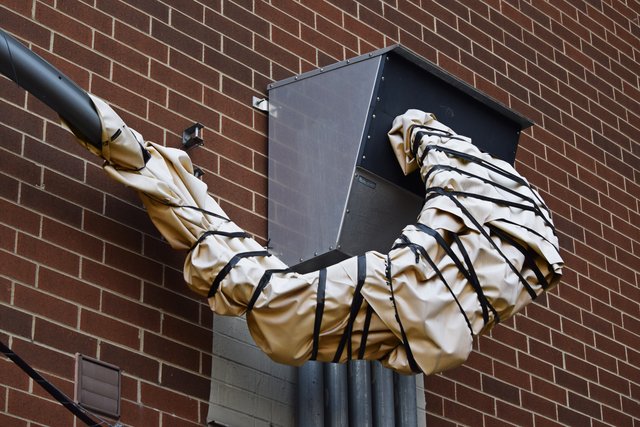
(82, 269)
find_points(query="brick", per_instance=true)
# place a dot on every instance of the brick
(20, 168)
(539, 405)
(475, 398)
(181, 355)
(72, 239)
(109, 278)
(45, 360)
(111, 231)
(44, 202)
(179, 82)
(46, 305)
(169, 401)
(133, 264)
(194, 111)
(227, 27)
(246, 220)
(617, 418)
(187, 333)
(375, 20)
(500, 390)
(64, 339)
(124, 54)
(277, 18)
(80, 55)
(228, 106)
(186, 382)
(171, 302)
(68, 288)
(129, 215)
(196, 69)
(110, 329)
(118, 95)
(135, 414)
(59, 21)
(131, 311)
(16, 321)
(461, 414)
(48, 254)
(43, 411)
(131, 362)
(513, 414)
(19, 218)
(570, 417)
(140, 41)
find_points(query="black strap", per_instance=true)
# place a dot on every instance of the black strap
(405, 342)
(195, 208)
(435, 268)
(533, 205)
(475, 283)
(530, 230)
(365, 332)
(72, 406)
(264, 280)
(355, 307)
(230, 234)
(322, 282)
(528, 254)
(227, 268)
(484, 233)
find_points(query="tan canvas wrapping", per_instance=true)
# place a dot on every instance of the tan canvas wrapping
(414, 308)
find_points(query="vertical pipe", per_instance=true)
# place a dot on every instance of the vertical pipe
(382, 395)
(310, 405)
(360, 394)
(407, 408)
(336, 403)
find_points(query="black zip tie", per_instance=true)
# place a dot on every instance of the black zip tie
(227, 268)
(322, 280)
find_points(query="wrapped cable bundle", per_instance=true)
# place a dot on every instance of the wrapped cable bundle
(482, 248)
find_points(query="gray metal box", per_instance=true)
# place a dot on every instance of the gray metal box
(335, 188)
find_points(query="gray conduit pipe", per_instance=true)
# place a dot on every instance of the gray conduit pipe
(336, 398)
(310, 405)
(382, 395)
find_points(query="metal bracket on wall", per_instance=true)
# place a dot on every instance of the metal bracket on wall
(261, 104)
(192, 136)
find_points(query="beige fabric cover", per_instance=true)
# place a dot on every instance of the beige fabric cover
(411, 318)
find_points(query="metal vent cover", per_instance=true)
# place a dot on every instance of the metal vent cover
(98, 386)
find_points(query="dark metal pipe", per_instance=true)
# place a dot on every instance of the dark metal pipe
(382, 395)
(406, 400)
(310, 408)
(360, 413)
(337, 401)
(49, 85)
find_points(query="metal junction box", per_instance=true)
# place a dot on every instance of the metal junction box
(335, 188)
